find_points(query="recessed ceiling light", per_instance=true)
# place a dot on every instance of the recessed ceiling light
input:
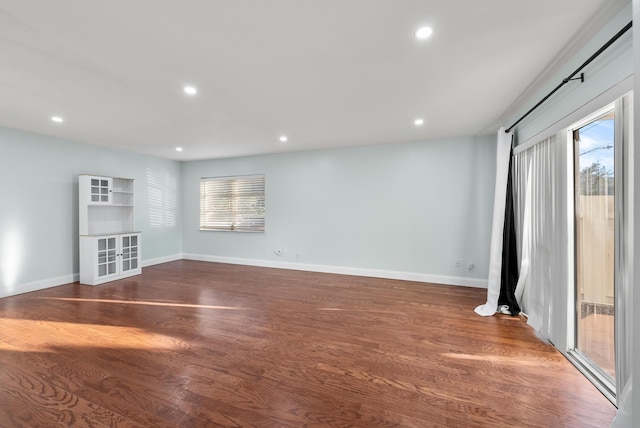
(283, 138)
(418, 122)
(57, 119)
(423, 33)
(178, 149)
(190, 90)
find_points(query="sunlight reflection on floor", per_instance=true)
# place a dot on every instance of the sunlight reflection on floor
(56, 334)
(138, 302)
(521, 361)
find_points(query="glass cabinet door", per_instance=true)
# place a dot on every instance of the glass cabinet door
(129, 252)
(100, 190)
(107, 256)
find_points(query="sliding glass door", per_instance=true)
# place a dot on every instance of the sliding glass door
(595, 237)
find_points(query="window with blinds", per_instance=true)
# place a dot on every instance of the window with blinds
(232, 203)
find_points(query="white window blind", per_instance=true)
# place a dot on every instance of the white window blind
(232, 203)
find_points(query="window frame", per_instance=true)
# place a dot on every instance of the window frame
(233, 203)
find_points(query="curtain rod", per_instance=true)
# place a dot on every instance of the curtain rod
(578, 70)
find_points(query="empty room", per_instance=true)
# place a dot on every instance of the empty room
(297, 213)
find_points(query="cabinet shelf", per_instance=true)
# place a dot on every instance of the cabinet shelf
(110, 205)
(110, 247)
(97, 235)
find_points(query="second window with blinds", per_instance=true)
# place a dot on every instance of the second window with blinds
(232, 203)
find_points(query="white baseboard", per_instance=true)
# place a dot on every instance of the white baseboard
(38, 285)
(160, 260)
(375, 273)
(6, 291)
(343, 270)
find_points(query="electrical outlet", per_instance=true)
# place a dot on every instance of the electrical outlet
(470, 267)
(457, 264)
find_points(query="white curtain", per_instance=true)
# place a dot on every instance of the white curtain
(503, 154)
(544, 216)
(540, 195)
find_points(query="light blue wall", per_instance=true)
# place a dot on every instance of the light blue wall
(609, 69)
(39, 205)
(414, 207)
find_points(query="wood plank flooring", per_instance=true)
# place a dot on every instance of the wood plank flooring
(196, 344)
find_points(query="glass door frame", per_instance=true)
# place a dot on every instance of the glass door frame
(622, 286)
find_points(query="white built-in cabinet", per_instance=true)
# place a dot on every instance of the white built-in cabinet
(110, 248)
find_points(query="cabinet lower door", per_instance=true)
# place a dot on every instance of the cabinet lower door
(130, 245)
(107, 257)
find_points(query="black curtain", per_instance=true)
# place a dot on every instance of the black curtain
(509, 277)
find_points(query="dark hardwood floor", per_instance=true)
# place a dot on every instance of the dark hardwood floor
(195, 344)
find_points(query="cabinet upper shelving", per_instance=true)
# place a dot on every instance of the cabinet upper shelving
(105, 205)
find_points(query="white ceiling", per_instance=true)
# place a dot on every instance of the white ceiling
(326, 73)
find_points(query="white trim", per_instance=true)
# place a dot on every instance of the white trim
(341, 270)
(344, 270)
(40, 285)
(609, 96)
(160, 260)
(585, 367)
(611, 107)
